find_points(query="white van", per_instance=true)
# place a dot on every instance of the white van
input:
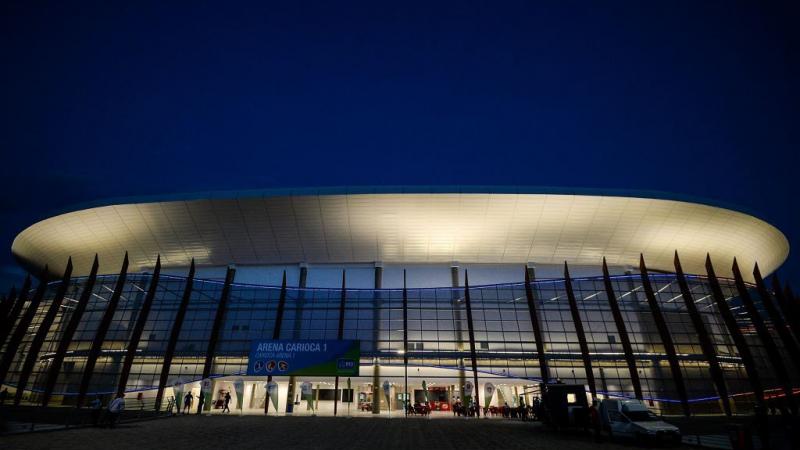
(630, 418)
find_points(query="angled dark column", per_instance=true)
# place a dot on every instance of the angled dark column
(790, 312)
(339, 336)
(376, 334)
(775, 316)
(405, 344)
(537, 332)
(5, 308)
(16, 310)
(102, 330)
(69, 332)
(455, 302)
(666, 338)
(22, 326)
(173, 337)
(41, 334)
(763, 334)
(795, 306)
(7, 322)
(576, 319)
(141, 320)
(705, 340)
(219, 318)
(301, 283)
(736, 334)
(623, 332)
(276, 331)
(787, 292)
(298, 316)
(472, 354)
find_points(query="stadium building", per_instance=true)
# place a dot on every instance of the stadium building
(435, 294)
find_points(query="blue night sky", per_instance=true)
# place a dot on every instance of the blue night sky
(122, 99)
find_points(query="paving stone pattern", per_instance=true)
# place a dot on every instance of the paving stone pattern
(253, 432)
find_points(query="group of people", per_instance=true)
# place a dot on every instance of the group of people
(464, 410)
(109, 415)
(113, 410)
(188, 402)
(781, 405)
(524, 412)
(422, 409)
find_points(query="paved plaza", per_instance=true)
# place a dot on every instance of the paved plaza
(252, 432)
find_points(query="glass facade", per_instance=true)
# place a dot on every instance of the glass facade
(438, 340)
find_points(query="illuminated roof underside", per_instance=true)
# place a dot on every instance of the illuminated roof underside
(404, 228)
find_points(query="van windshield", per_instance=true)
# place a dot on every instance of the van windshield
(641, 416)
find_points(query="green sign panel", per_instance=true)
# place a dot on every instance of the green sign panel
(304, 357)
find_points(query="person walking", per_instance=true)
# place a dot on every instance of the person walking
(96, 406)
(3, 396)
(187, 402)
(226, 405)
(115, 408)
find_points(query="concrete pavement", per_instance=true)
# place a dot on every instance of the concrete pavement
(253, 432)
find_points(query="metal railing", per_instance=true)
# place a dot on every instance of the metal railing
(24, 418)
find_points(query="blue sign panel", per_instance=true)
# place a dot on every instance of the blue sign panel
(304, 357)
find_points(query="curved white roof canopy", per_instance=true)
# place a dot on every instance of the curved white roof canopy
(505, 228)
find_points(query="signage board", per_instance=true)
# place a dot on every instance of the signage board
(304, 357)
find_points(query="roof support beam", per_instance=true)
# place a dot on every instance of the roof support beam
(219, 319)
(472, 354)
(296, 333)
(705, 340)
(24, 323)
(789, 309)
(41, 334)
(763, 334)
(5, 309)
(775, 316)
(276, 331)
(789, 294)
(136, 335)
(339, 336)
(405, 345)
(69, 333)
(666, 338)
(455, 303)
(173, 338)
(11, 317)
(536, 325)
(622, 331)
(102, 330)
(576, 319)
(736, 334)
(376, 320)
